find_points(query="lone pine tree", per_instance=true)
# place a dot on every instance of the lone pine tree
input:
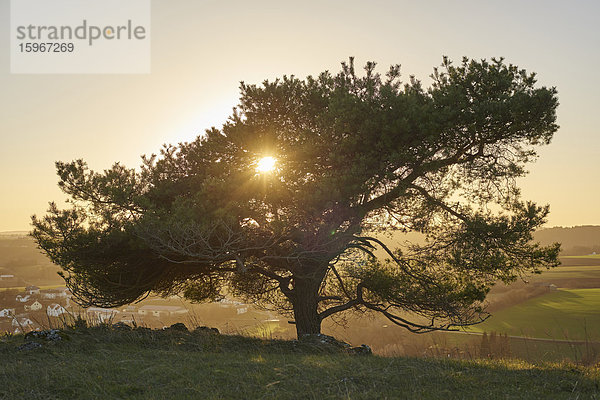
(289, 202)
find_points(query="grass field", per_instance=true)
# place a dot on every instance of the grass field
(588, 256)
(561, 314)
(557, 316)
(568, 313)
(468, 346)
(571, 272)
(100, 363)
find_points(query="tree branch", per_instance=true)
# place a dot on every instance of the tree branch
(438, 203)
(343, 307)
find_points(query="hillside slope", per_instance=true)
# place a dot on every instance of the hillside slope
(141, 364)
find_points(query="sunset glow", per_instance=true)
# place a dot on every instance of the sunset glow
(265, 165)
(184, 94)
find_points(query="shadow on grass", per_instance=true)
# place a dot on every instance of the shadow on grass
(100, 362)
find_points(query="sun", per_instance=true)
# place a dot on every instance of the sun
(266, 164)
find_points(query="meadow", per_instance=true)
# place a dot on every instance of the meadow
(102, 362)
(567, 314)
(562, 275)
(564, 306)
(543, 322)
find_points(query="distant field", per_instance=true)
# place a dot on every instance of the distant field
(583, 272)
(588, 256)
(22, 288)
(561, 314)
(524, 311)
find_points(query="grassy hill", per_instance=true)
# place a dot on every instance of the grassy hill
(100, 363)
(561, 314)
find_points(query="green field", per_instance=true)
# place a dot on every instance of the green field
(567, 314)
(580, 272)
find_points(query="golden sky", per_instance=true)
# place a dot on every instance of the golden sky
(202, 49)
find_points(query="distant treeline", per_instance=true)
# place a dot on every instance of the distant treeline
(576, 241)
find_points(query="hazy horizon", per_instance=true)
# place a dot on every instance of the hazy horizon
(202, 50)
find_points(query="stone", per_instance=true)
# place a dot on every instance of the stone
(51, 335)
(179, 326)
(121, 326)
(206, 329)
(29, 346)
(320, 339)
(362, 350)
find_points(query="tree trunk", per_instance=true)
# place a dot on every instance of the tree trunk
(306, 293)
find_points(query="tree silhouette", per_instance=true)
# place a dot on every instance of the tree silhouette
(353, 157)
